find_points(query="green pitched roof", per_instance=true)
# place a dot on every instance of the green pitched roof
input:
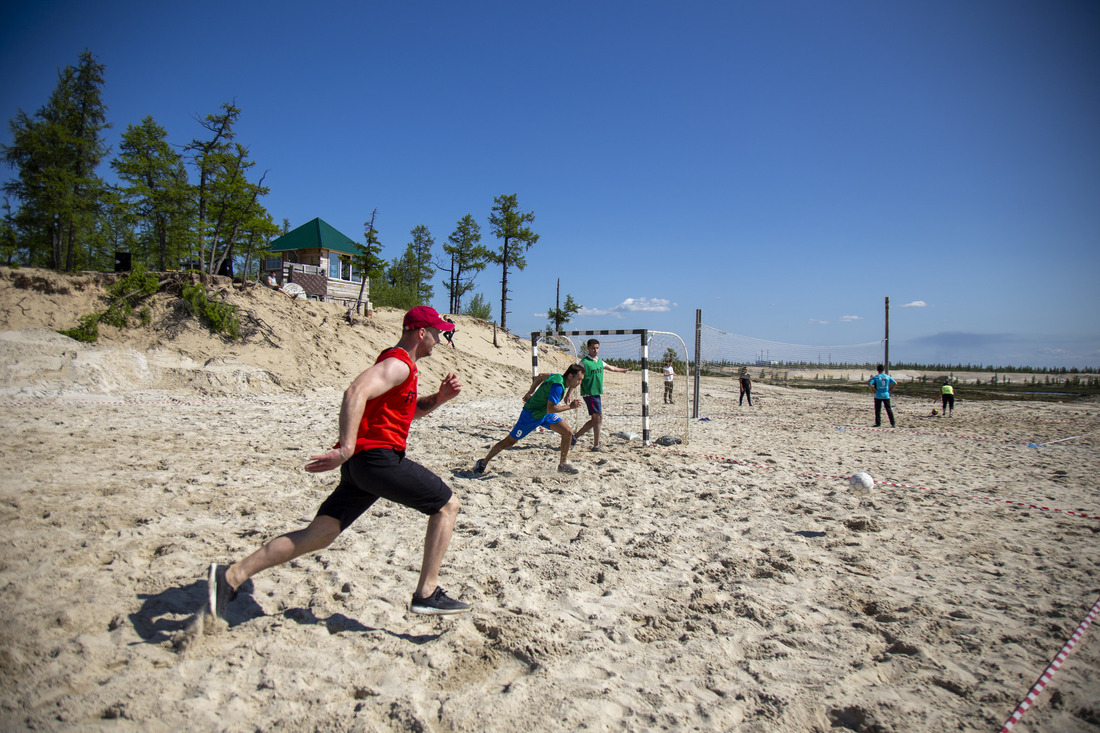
(315, 234)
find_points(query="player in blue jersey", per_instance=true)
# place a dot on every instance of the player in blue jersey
(542, 407)
(881, 382)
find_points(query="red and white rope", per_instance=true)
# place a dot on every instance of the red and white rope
(1051, 669)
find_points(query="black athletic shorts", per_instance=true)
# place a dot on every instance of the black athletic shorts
(387, 474)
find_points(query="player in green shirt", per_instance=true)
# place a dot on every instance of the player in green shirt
(592, 391)
(543, 404)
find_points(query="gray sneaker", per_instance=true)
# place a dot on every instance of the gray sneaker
(438, 604)
(597, 449)
(566, 468)
(219, 592)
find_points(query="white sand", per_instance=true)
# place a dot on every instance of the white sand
(662, 588)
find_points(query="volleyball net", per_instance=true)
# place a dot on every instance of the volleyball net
(723, 354)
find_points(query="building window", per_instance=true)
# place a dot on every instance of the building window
(339, 270)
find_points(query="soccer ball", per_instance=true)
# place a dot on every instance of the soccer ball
(861, 484)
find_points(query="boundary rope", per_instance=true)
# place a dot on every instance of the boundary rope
(1051, 669)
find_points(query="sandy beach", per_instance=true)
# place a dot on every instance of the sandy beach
(731, 582)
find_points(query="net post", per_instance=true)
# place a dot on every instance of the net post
(644, 335)
(698, 351)
(886, 340)
(534, 354)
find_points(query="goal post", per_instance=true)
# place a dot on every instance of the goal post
(627, 399)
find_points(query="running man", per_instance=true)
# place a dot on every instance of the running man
(881, 382)
(543, 404)
(375, 415)
(592, 391)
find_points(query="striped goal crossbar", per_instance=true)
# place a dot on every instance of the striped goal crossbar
(645, 336)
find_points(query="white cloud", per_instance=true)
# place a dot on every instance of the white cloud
(916, 304)
(630, 305)
(819, 323)
(648, 305)
(849, 319)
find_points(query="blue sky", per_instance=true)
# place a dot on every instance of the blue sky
(782, 166)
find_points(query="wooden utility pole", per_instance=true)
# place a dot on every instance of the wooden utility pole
(886, 341)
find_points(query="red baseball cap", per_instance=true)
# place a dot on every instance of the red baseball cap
(424, 317)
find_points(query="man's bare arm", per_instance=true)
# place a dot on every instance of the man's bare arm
(448, 389)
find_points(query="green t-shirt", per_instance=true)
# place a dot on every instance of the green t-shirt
(946, 389)
(552, 389)
(592, 384)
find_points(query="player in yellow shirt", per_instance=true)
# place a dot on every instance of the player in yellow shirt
(947, 394)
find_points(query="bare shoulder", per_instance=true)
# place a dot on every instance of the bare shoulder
(384, 375)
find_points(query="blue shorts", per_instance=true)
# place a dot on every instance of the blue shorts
(528, 423)
(592, 401)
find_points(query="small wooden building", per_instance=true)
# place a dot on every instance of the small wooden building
(310, 257)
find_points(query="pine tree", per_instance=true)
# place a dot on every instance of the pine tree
(56, 154)
(510, 226)
(420, 255)
(468, 257)
(224, 197)
(157, 191)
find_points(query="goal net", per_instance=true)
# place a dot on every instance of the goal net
(634, 402)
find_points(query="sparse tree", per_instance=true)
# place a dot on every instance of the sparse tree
(559, 315)
(509, 224)
(468, 257)
(420, 256)
(225, 198)
(367, 261)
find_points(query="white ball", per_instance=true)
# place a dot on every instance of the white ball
(861, 484)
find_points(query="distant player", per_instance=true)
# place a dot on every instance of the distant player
(746, 386)
(881, 383)
(947, 394)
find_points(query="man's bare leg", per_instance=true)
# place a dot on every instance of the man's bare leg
(318, 535)
(437, 539)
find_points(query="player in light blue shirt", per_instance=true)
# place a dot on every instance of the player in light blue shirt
(881, 382)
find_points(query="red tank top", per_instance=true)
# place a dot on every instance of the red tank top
(386, 418)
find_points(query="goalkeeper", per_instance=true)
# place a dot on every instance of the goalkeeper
(592, 391)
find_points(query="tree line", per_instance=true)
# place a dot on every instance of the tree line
(200, 206)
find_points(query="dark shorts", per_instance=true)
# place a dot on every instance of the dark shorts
(949, 401)
(592, 402)
(383, 473)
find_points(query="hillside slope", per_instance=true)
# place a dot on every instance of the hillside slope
(288, 345)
